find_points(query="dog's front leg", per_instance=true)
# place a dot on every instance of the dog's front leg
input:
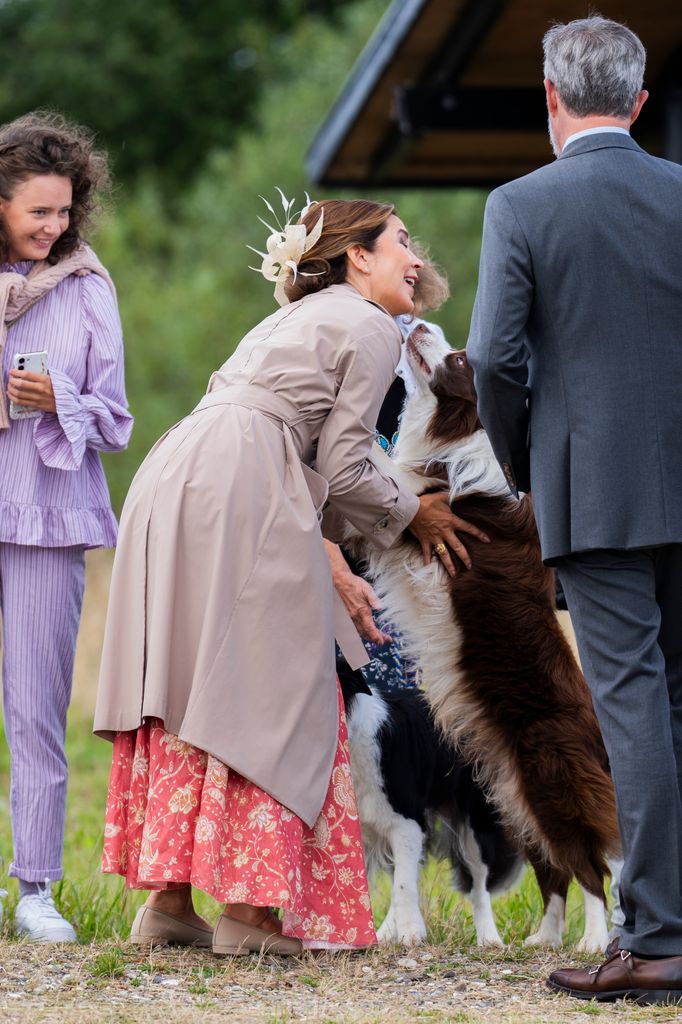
(404, 920)
(481, 903)
(484, 920)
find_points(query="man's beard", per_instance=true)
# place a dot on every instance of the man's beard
(553, 142)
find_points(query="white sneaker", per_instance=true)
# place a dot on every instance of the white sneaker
(38, 919)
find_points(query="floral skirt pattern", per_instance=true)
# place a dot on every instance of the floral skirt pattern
(176, 815)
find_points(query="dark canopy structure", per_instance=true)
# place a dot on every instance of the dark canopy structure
(449, 92)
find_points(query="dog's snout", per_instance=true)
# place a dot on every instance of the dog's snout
(417, 333)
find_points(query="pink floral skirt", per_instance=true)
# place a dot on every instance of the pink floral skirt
(176, 815)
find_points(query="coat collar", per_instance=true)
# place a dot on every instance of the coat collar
(350, 292)
(600, 140)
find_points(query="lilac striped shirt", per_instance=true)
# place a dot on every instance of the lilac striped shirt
(53, 492)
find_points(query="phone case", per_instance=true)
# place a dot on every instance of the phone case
(34, 362)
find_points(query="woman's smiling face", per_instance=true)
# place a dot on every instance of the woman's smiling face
(35, 216)
(393, 269)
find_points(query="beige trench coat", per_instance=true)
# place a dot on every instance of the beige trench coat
(222, 611)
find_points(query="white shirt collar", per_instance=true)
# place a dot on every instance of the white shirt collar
(593, 131)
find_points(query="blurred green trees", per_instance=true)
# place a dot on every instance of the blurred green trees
(162, 82)
(181, 269)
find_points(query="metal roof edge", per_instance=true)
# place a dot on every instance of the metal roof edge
(364, 75)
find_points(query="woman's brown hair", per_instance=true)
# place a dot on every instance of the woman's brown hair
(46, 143)
(346, 222)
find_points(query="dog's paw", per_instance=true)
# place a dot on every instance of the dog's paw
(589, 946)
(409, 939)
(490, 940)
(593, 941)
(408, 933)
(387, 933)
(551, 927)
(541, 938)
(411, 933)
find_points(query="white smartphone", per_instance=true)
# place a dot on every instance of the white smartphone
(34, 362)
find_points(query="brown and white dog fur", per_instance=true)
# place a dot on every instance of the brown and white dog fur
(501, 678)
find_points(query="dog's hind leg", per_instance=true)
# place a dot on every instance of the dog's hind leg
(595, 937)
(404, 922)
(482, 910)
(553, 887)
(387, 932)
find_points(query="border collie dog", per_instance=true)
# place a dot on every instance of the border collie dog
(503, 684)
(406, 775)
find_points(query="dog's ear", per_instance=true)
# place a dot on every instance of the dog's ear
(453, 386)
(456, 378)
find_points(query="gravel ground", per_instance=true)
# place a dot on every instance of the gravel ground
(105, 983)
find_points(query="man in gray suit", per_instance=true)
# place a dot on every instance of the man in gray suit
(576, 344)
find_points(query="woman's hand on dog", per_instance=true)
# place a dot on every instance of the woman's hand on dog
(357, 595)
(435, 524)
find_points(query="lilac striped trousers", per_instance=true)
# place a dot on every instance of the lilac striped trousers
(41, 594)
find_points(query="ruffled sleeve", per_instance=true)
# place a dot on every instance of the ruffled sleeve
(95, 416)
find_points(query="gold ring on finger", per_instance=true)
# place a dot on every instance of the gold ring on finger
(440, 549)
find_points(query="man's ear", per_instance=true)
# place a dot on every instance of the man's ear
(639, 103)
(552, 97)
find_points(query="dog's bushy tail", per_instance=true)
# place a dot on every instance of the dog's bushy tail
(533, 736)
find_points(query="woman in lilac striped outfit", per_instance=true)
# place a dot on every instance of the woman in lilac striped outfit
(55, 298)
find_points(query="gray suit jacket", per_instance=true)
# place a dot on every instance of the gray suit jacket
(576, 344)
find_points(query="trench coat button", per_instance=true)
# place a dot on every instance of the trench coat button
(381, 525)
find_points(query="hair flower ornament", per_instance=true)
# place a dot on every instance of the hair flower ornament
(286, 245)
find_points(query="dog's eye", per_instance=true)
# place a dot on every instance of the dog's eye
(460, 360)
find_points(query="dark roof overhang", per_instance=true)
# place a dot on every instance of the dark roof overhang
(449, 92)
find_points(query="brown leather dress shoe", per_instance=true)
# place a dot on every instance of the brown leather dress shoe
(235, 938)
(623, 975)
(159, 929)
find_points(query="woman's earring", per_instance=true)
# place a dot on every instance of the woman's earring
(365, 269)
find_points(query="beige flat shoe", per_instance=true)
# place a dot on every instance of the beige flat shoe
(235, 938)
(159, 929)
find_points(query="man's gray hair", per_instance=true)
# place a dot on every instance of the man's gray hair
(597, 66)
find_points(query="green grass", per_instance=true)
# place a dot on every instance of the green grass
(109, 964)
(101, 908)
(98, 905)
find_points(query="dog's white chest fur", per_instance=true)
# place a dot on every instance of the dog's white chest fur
(414, 596)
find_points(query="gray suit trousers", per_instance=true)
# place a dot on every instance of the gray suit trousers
(626, 607)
